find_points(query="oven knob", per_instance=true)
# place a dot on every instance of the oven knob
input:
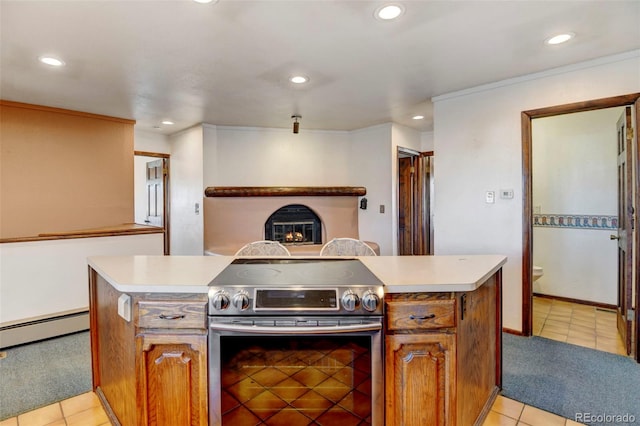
(220, 301)
(350, 300)
(370, 301)
(241, 300)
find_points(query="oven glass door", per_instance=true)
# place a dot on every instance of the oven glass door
(290, 380)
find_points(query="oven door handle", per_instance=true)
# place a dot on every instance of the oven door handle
(351, 328)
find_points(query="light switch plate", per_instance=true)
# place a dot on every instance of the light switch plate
(490, 197)
(124, 307)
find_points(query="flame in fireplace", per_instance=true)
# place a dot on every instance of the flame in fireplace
(294, 237)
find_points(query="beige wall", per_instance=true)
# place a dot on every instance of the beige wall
(63, 170)
(231, 222)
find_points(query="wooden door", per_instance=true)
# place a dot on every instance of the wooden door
(625, 227)
(405, 206)
(155, 193)
(414, 203)
(423, 230)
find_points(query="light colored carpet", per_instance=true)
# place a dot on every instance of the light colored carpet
(42, 373)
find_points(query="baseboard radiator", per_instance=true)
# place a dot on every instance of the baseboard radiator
(41, 328)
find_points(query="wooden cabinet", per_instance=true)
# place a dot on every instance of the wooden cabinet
(420, 359)
(420, 385)
(172, 385)
(443, 362)
(171, 360)
(152, 370)
(442, 356)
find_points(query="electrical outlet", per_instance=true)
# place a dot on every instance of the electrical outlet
(124, 307)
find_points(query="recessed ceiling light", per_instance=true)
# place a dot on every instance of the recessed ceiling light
(389, 11)
(206, 1)
(168, 122)
(299, 79)
(418, 117)
(50, 60)
(560, 38)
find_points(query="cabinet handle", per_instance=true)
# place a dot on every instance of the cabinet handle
(422, 317)
(171, 317)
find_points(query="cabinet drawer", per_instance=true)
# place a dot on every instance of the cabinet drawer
(420, 315)
(178, 314)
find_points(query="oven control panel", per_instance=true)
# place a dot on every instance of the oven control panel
(356, 300)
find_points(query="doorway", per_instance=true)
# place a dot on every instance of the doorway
(415, 195)
(575, 211)
(625, 299)
(151, 189)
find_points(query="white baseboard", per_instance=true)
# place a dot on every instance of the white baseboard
(43, 328)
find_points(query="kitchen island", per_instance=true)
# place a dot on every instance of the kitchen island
(442, 337)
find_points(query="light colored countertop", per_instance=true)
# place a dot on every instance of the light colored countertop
(192, 274)
(406, 274)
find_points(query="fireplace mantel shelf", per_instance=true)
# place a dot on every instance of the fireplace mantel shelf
(284, 191)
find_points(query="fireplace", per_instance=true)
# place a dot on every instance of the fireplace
(294, 224)
(234, 216)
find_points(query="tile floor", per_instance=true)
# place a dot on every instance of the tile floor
(81, 410)
(577, 324)
(508, 412)
(568, 322)
(85, 410)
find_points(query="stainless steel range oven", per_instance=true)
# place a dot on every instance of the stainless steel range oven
(295, 342)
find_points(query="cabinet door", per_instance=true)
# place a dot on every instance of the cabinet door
(172, 385)
(420, 379)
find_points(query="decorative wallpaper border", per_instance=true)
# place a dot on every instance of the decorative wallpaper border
(575, 221)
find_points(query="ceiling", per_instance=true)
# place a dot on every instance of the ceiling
(228, 63)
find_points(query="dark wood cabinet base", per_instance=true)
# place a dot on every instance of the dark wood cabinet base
(443, 356)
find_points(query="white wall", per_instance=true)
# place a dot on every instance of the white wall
(370, 166)
(245, 156)
(44, 278)
(151, 142)
(426, 141)
(478, 146)
(575, 173)
(210, 156)
(185, 191)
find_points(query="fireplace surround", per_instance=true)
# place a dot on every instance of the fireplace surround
(234, 216)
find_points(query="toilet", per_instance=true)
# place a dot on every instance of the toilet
(537, 272)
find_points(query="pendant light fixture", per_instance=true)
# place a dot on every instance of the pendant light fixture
(296, 125)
